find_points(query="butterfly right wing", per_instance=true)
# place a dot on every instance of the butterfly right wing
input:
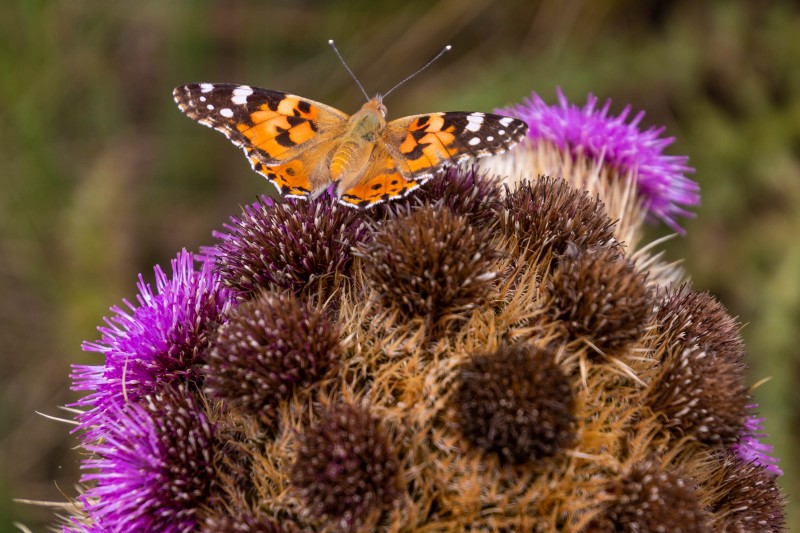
(423, 144)
(284, 136)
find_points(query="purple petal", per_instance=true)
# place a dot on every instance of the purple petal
(619, 143)
(160, 339)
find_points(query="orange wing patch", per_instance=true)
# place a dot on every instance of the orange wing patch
(428, 144)
(381, 182)
(275, 133)
(292, 178)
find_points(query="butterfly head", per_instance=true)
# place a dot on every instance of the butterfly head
(370, 120)
(376, 104)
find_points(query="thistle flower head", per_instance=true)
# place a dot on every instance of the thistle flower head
(749, 498)
(546, 215)
(615, 141)
(294, 246)
(269, 347)
(429, 263)
(162, 340)
(346, 467)
(516, 403)
(692, 318)
(598, 295)
(647, 497)
(153, 465)
(700, 388)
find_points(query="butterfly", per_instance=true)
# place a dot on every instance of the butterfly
(303, 146)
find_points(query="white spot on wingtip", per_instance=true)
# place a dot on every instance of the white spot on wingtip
(474, 122)
(501, 132)
(506, 121)
(474, 141)
(210, 107)
(225, 112)
(206, 87)
(202, 98)
(490, 138)
(240, 94)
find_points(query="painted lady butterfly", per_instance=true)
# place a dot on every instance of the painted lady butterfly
(302, 146)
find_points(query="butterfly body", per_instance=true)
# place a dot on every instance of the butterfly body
(302, 146)
(351, 157)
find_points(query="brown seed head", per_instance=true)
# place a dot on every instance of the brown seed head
(429, 263)
(694, 318)
(346, 467)
(293, 245)
(547, 214)
(269, 347)
(700, 390)
(749, 499)
(599, 295)
(649, 498)
(516, 403)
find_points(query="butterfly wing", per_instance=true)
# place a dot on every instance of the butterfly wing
(382, 181)
(279, 132)
(423, 144)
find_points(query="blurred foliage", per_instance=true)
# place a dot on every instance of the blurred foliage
(102, 177)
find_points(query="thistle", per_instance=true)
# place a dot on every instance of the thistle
(495, 352)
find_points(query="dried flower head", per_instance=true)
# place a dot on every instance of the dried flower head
(516, 403)
(294, 245)
(547, 214)
(648, 497)
(700, 394)
(430, 263)
(692, 318)
(748, 498)
(346, 469)
(153, 465)
(700, 390)
(163, 340)
(590, 132)
(269, 347)
(599, 295)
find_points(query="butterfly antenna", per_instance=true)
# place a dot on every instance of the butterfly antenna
(429, 63)
(333, 45)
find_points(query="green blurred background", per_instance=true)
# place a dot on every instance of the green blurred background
(102, 177)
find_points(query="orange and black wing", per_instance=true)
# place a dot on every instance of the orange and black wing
(423, 144)
(278, 131)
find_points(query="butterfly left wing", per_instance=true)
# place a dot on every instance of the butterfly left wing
(278, 131)
(422, 144)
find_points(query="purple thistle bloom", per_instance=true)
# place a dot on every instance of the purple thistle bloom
(750, 448)
(152, 466)
(162, 340)
(593, 133)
